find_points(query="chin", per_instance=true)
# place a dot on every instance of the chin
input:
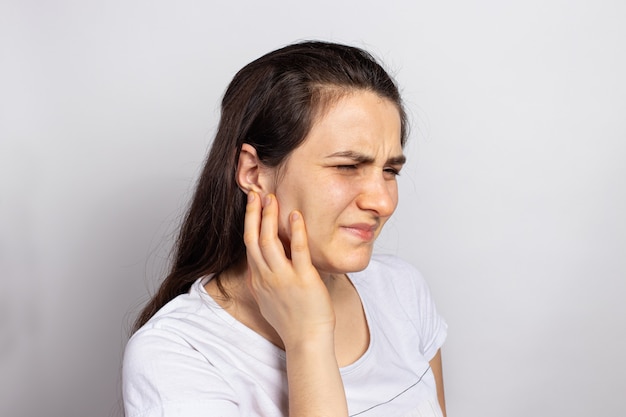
(354, 261)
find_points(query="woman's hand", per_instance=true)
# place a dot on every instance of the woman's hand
(295, 302)
(290, 293)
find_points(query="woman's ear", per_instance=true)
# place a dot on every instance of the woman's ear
(250, 172)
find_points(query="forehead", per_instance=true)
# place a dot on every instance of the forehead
(358, 121)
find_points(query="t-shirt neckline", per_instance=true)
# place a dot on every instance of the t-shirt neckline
(255, 338)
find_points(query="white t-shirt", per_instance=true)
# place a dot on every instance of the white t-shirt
(193, 359)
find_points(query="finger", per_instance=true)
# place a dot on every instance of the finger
(269, 242)
(251, 231)
(300, 255)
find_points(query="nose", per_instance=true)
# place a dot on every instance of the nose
(379, 195)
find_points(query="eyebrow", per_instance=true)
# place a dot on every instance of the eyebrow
(365, 159)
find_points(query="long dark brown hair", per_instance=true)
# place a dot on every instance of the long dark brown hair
(271, 104)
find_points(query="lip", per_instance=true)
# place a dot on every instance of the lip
(363, 231)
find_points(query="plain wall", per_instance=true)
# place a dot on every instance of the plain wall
(512, 203)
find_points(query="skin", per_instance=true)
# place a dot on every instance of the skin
(307, 225)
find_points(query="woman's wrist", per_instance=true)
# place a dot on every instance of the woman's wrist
(311, 343)
(314, 379)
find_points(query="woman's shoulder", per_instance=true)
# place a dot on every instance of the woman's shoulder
(174, 324)
(162, 373)
(165, 361)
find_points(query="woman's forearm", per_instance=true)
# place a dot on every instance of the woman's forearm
(315, 385)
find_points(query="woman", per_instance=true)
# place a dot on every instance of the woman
(274, 305)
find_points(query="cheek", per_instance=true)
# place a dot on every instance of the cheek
(286, 204)
(321, 201)
(329, 209)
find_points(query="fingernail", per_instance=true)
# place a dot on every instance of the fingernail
(295, 216)
(267, 200)
(251, 196)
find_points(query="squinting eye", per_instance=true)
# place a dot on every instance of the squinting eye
(346, 167)
(392, 171)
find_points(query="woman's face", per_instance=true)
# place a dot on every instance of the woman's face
(343, 180)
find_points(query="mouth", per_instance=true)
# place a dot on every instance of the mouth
(364, 231)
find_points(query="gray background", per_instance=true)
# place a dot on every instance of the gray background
(512, 204)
